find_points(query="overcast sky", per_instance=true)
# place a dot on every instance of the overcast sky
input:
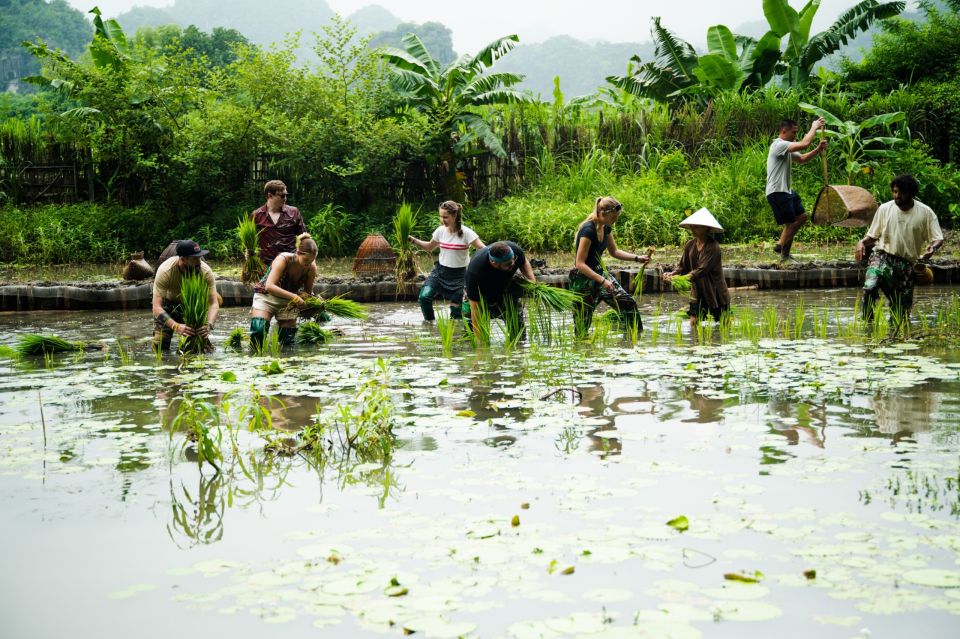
(536, 20)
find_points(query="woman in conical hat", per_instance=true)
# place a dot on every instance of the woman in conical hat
(701, 261)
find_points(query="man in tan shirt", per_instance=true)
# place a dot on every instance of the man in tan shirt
(167, 305)
(903, 232)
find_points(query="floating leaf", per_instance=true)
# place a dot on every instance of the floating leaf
(743, 578)
(515, 521)
(680, 523)
(466, 413)
(934, 578)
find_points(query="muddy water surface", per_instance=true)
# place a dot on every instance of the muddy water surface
(529, 494)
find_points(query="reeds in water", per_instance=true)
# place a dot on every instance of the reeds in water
(253, 267)
(481, 320)
(34, 344)
(445, 327)
(195, 297)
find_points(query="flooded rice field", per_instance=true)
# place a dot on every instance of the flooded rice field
(686, 485)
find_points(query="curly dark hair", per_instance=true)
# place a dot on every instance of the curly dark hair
(906, 184)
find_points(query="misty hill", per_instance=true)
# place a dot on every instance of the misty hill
(373, 19)
(249, 17)
(582, 67)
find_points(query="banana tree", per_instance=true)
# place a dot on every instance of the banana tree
(449, 97)
(732, 63)
(859, 152)
(803, 51)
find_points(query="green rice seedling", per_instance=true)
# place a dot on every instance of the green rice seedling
(48, 360)
(249, 236)
(602, 327)
(513, 327)
(771, 321)
(482, 321)
(632, 329)
(799, 318)
(313, 333)
(678, 323)
(404, 222)
(655, 325)
(681, 283)
(236, 338)
(34, 344)
(445, 328)
(6, 352)
(559, 299)
(725, 326)
(125, 355)
(339, 306)
(200, 422)
(704, 331)
(273, 343)
(195, 296)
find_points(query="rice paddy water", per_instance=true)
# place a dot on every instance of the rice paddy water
(782, 472)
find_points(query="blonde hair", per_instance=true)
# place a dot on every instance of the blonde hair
(602, 205)
(307, 244)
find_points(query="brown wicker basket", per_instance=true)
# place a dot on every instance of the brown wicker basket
(844, 205)
(375, 256)
(168, 252)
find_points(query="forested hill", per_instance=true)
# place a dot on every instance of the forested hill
(582, 67)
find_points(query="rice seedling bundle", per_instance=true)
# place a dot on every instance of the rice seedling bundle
(235, 340)
(313, 333)
(559, 299)
(195, 297)
(33, 344)
(315, 305)
(404, 222)
(681, 283)
(253, 267)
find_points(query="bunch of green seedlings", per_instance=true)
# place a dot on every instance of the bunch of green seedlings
(236, 339)
(249, 236)
(309, 333)
(195, 296)
(34, 344)
(314, 306)
(404, 223)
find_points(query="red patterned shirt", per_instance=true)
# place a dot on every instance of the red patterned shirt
(280, 237)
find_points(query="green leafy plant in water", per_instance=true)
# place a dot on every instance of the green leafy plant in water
(273, 368)
(559, 299)
(313, 333)
(195, 296)
(314, 306)
(681, 283)
(445, 328)
(771, 321)
(483, 323)
(249, 236)
(513, 326)
(124, 354)
(200, 422)
(236, 338)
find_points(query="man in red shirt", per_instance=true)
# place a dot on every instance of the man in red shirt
(278, 224)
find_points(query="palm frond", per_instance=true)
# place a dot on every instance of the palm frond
(856, 19)
(400, 59)
(673, 52)
(478, 129)
(493, 52)
(415, 47)
(491, 82)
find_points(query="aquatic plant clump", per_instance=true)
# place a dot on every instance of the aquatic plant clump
(315, 305)
(195, 295)
(253, 267)
(236, 338)
(313, 333)
(559, 299)
(34, 344)
(681, 283)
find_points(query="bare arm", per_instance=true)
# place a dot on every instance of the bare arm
(931, 249)
(212, 312)
(614, 251)
(527, 271)
(806, 157)
(807, 140)
(863, 245)
(272, 287)
(478, 244)
(583, 250)
(426, 246)
(169, 322)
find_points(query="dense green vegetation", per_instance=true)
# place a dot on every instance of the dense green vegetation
(174, 130)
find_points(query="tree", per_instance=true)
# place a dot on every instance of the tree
(219, 48)
(58, 24)
(732, 63)
(448, 97)
(803, 51)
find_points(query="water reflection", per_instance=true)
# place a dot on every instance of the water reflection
(196, 514)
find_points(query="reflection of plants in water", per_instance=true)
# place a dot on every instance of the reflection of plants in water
(196, 518)
(349, 474)
(361, 428)
(568, 440)
(267, 474)
(200, 421)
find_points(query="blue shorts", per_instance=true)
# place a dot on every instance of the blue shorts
(787, 207)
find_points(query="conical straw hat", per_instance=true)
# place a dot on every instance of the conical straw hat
(703, 217)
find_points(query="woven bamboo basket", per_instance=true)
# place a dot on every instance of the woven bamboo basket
(842, 204)
(168, 252)
(374, 257)
(922, 274)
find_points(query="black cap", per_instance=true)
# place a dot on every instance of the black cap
(189, 248)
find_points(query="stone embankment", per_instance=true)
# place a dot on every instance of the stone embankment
(121, 295)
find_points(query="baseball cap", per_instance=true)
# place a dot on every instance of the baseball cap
(189, 248)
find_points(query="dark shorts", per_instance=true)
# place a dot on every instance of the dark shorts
(787, 207)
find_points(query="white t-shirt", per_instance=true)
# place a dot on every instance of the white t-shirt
(778, 166)
(453, 247)
(905, 234)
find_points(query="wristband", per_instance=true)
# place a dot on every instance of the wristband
(163, 317)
